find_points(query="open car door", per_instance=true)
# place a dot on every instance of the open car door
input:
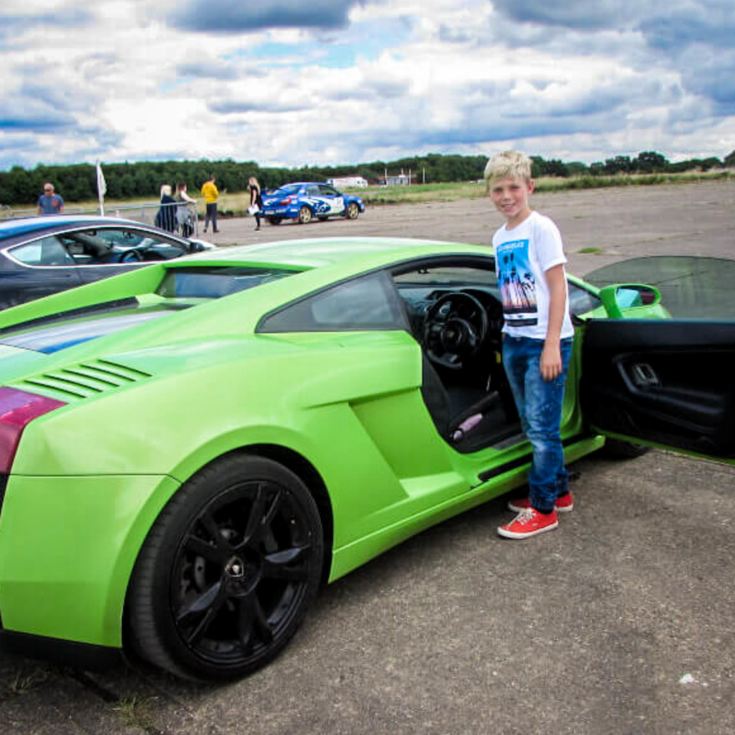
(668, 382)
(664, 382)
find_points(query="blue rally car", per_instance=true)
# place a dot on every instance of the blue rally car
(302, 201)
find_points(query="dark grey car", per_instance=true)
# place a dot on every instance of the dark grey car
(43, 255)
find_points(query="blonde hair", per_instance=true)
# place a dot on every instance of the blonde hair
(508, 164)
(166, 189)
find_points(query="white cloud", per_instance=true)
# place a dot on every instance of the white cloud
(368, 79)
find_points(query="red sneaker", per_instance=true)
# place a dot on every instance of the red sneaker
(564, 503)
(529, 522)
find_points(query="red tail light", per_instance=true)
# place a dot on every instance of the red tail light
(17, 409)
(285, 202)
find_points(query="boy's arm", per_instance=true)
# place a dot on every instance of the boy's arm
(551, 354)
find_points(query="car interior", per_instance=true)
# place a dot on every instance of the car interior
(96, 247)
(456, 315)
(93, 247)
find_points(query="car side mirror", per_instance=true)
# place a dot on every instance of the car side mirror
(621, 296)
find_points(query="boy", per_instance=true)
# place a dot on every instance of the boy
(537, 339)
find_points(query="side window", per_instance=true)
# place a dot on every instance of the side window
(312, 191)
(328, 191)
(85, 247)
(92, 247)
(44, 252)
(123, 239)
(580, 300)
(367, 303)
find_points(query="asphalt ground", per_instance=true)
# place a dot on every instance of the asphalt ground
(621, 621)
(615, 223)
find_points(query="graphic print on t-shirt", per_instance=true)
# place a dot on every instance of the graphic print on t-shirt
(517, 284)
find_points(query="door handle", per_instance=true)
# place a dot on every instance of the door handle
(644, 375)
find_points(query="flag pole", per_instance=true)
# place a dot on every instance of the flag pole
(101, 188)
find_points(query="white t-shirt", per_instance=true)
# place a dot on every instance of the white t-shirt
(522, 256)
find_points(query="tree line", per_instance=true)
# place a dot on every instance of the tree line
(78, 182)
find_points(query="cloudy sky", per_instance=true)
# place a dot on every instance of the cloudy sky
(295, 82)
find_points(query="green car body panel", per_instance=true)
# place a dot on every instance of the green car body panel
(149, 406)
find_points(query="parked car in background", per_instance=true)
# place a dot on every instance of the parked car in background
(44, 255)
(188, 451)
(303, 201)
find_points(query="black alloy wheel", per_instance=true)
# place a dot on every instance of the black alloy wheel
(228, 570)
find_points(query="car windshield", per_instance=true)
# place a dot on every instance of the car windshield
(691, 287)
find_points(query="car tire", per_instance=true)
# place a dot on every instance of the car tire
(352, 211)
(274, 220)
(227, 572)
(305, 215)
(616, 449)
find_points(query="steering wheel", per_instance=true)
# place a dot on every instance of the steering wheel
(131, 256)
(456, 326)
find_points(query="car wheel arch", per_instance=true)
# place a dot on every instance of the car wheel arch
(288, 460)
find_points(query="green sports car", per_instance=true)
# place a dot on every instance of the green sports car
(189, 450)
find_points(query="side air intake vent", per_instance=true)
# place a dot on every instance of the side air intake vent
(86, 379)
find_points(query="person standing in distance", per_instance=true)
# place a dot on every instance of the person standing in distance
(166, 217)
(211, 195)
(537, 338)
(256, 200)
(49, 202)
(185, 211)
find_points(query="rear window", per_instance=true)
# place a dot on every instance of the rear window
(214, 283)
(59, 331)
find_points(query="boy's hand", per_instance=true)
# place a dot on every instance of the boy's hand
(550, 361)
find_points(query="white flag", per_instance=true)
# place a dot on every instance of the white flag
(101, 183)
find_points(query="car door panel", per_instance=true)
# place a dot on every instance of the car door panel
(667, 382)
(23, 284)
(92, 273)
(332, 200)
(35, 269)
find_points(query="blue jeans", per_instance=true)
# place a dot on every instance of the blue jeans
(539, 404)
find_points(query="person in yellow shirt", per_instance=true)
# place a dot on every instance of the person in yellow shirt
(210, 194)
